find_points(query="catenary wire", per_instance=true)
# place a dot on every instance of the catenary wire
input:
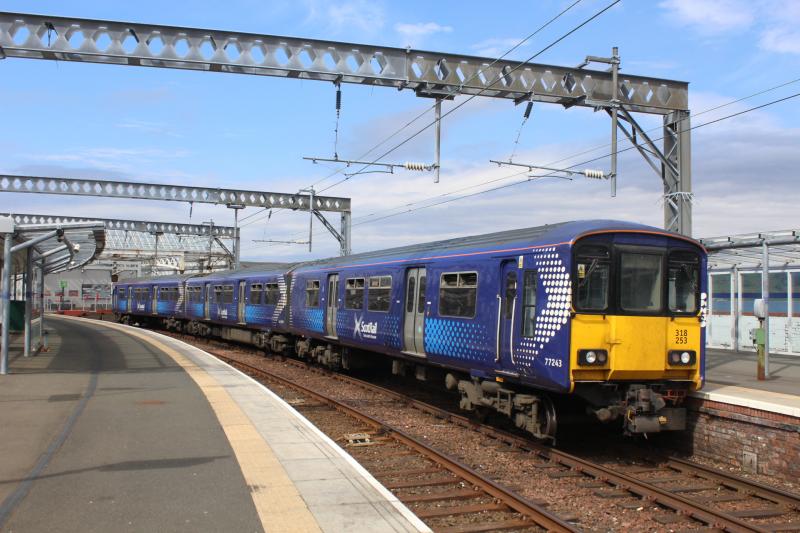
(533, 178)
(452, 92)
(473, 96)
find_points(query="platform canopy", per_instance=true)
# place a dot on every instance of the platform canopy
(57, 246)
(747, 250)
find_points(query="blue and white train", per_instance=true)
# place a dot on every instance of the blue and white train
(609, 312)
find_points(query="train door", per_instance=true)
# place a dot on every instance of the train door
(207, 302)
(507, 314)
(154, 300)
(130, 299)
(333, 305)
(414, 322)
(240, 311)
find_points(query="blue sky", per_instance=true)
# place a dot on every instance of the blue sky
(80, 120)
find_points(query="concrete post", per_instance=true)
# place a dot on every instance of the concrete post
(40, 294)
(28, 280)
(5, 295)
(765, 296)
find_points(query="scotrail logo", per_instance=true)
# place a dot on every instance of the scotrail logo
(223, 313)
(366, 330)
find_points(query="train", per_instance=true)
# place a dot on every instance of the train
(607, 313)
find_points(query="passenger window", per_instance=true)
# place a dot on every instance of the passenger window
(511, 293)
(227, 294)
(354, 293)
(410, 295)
(421, 300)
(272, 294)
(529, 303)
(256, 292)
(380, 293)
(217, 294)
(312, 293)
(458, 294)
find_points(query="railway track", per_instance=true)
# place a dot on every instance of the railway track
(683, 489)
(475, 495)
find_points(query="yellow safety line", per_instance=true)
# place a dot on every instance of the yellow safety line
(280, 507)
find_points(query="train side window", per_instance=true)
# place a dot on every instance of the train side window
(410, 294)
(312, 293)
(354, 293)
(421, 301)
(458, 294)
(529, 281)
(684, 282)
(227, 294)
(380, 293)
(272, 294)
(256, 291)
(592, 278)
(511, 293)
(217, 294)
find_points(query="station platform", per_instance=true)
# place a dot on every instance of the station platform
(115, 428)
(731, 377)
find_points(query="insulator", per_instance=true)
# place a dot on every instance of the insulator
(338, 98)
(528, 110)
(411, 165)
(594, 174)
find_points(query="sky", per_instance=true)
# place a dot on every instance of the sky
(251, 132)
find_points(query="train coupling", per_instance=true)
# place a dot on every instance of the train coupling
(644, 411)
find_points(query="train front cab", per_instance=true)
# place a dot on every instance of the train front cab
(637, 336)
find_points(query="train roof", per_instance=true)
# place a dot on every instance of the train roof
(249, 271)
(555, 234)
(160, 279)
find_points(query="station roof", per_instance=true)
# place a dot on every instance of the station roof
(745, 251)
(62, 245)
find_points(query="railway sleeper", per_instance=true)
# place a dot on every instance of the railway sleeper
(530, 412)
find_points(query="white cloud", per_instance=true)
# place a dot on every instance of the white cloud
(415, 33)
(784, 39)
(158, 128)
(774, 21)
(114, 159)
(711, 16)
(352, 16)
(496, 46)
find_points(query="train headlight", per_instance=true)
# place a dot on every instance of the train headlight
(682, 357)
(592, 357)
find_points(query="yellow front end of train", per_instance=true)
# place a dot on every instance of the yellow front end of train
(636, 334)
(638, 348)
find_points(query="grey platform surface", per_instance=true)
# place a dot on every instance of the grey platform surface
(104, 432)
(727, 367)
(141, 451)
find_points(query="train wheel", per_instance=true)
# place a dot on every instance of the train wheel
(548, 423)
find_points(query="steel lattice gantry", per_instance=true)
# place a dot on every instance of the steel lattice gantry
(429, 74)
(233, 198)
